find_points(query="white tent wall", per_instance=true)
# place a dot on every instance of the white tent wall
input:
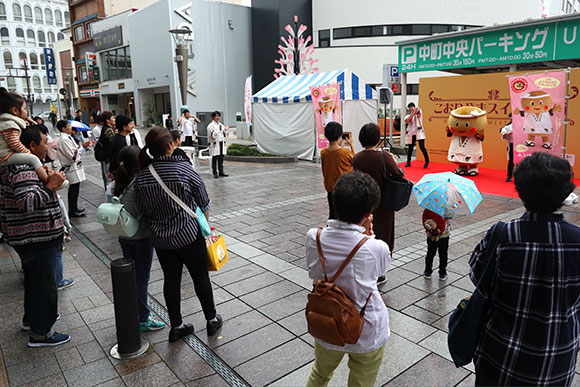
(286, 129)
(356, 113)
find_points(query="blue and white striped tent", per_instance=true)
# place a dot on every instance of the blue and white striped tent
(284, 119)
(296, 88)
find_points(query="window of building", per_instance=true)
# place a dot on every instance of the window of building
(11, 83)
(361, 32)
(421, 29)
(58, 18)
(4, 36)
(41, 39)
(324, 38)
(66, 19)
(342, 33)
(30, 37)
(36, 84)
(90, 30)
(2, 11)
(51, 38)
(456, 28)
(17, 12)
(439, 28)
(60, 36)
(116, 64)
(28, 14)
(8, 64)
(79, 33)
(45, 83)
(33, 61)
(20, 37)
(42, 64)
(38, 15)
(379, 30)
(48, 16)
(83, 75)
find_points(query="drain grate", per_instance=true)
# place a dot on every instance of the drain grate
(222, 369)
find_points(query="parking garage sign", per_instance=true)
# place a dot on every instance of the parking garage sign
(525, 44)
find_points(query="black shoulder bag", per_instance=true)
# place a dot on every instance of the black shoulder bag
(396, 194)
(465, 322)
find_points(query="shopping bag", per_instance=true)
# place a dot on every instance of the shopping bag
(217, 252)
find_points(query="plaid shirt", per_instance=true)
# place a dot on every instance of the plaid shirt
(531, 330)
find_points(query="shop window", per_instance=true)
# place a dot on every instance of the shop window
(324, 38)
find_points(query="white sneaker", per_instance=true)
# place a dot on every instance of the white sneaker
(571, 199)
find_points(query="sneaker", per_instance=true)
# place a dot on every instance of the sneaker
(381, 280)
(427, 274)
(176, 333)
(213, 326)
(26, 325)
(54, 340)
(443, 277)
(151, 325)
(65, 283)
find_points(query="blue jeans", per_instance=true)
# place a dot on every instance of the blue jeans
(58, 267)
(40, 293)
(141, 252)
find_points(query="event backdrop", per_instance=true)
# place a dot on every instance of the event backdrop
(490, 92)
(326, 101)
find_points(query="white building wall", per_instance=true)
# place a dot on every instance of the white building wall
(31, 47)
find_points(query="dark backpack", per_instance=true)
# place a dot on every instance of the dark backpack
(102, 147)
(331, 315)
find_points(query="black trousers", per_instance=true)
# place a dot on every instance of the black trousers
(217, 162)
(194, 257)
(510, 166)
(73, 197)
(188, 141)
(40, 294)
(432, 246)
(331, 213)
(421, 146)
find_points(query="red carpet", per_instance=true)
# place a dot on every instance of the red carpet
(489, 181)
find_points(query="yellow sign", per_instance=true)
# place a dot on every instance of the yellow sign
(547, 83)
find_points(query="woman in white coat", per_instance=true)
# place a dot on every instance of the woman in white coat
(415, 132)
(216, 134)
(69, 155)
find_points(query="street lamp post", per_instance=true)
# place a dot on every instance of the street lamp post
(181, 54)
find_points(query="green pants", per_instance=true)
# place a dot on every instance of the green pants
(364, 367)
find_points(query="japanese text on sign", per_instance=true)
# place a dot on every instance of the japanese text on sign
(50, 68)
(549, 41)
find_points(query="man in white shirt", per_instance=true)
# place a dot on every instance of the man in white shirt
(355, 197)
(216, 134)
(188, 126)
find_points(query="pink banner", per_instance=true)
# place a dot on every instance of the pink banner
(326, 101)
(538, 102)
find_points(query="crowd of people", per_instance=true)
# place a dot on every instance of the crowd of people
(529, 335)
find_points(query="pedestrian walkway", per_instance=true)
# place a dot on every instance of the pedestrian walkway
(264, 211)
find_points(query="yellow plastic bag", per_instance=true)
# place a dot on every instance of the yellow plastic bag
(217, 253)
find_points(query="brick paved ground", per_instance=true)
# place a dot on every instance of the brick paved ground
(264, 211)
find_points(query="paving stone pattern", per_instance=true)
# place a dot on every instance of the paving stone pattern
(264, 212)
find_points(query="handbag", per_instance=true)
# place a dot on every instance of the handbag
(217, 253)
(396, 194)
(75, 173)
(465, 322)
(197, 214)
(116, 219)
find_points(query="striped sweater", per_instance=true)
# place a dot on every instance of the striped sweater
(29, 212)
(171, 227)
(11, 127)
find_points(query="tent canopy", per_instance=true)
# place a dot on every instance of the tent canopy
(296, 88)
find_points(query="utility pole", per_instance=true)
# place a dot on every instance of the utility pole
(30, 97)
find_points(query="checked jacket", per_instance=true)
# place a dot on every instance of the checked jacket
(531, 330)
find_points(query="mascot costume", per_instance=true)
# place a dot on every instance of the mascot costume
(466, 125)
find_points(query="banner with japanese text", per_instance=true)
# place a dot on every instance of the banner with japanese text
(522, 44)
(50, 67)
(538, 103)
(326, 101)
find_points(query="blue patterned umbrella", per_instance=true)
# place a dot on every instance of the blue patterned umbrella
(447, 194)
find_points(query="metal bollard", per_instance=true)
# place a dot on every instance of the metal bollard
(129, 341)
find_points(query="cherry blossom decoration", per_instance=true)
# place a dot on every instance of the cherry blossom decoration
(296, 55)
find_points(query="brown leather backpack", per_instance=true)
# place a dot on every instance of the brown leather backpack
(332, 317)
